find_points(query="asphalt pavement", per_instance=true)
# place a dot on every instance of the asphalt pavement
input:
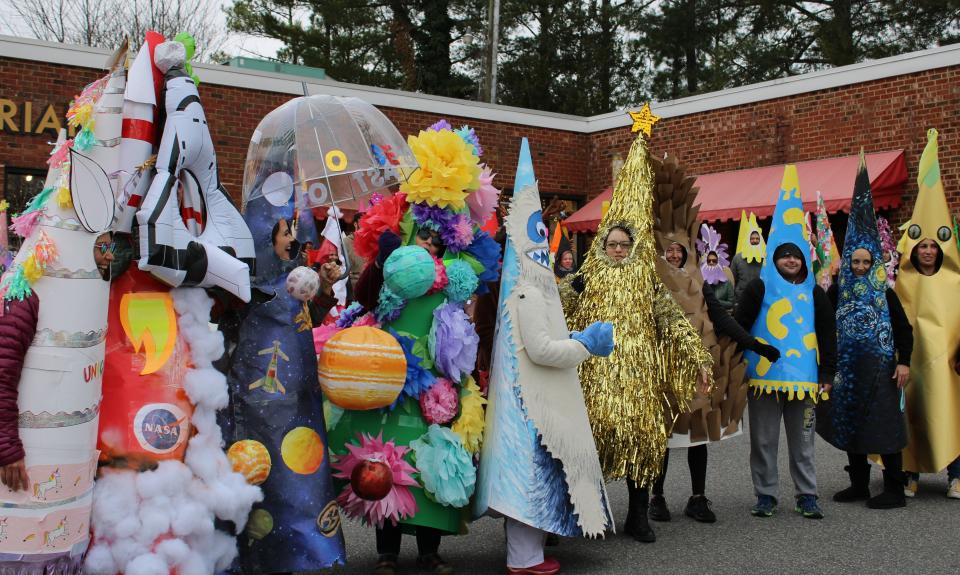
(923, 538)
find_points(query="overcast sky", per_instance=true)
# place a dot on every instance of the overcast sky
(236, 45)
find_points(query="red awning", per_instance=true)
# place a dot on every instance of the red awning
(723, 195)
(587, 218)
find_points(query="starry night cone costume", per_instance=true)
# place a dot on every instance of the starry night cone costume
(539, 463)
(933, 396)
(717, 416)
(658, 354)
(864, 408)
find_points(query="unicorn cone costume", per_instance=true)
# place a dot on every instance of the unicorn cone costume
(539, 464)
(45, 529)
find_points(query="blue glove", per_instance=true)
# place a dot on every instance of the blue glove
(597, 338)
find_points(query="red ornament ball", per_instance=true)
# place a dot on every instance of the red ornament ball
(371, 480)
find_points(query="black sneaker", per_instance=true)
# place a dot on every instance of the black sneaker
(435, 564)
(698, 507)
(658, 509)
(386, 565)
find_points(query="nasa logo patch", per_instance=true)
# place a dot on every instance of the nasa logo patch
(161, 427)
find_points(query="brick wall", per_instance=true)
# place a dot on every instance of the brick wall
(892, 113)
(560, 157)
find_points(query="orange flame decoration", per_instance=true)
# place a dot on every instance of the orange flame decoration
(150, 324)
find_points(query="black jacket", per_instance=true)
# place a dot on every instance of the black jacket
(825, 322)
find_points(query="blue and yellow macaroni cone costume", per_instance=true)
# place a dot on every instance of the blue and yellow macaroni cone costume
(786, 317)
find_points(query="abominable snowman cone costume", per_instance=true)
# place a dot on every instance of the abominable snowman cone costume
(539, 464)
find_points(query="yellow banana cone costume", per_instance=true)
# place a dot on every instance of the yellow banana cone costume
(933, 396)
(658, 354)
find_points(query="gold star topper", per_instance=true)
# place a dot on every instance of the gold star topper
(644, 120)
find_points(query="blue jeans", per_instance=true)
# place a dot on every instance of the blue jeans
(953, 470)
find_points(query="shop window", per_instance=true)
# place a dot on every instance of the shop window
(19, 186)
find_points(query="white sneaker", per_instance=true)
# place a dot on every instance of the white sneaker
(953, 490)
(910, 489)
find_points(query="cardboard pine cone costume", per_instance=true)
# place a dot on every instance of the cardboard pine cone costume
(717, 416)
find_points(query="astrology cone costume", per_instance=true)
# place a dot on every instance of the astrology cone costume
(658, 352)
(539, 462)
(933, 396)
(274, 425)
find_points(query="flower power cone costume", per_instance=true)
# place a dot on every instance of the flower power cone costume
(539, 462)
(786, 315)
(406, 422)
(933, 396)
(658, 353)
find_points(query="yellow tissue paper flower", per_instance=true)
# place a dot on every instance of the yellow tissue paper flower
(64, 200)
(31, 269)
(469, 426)
(448, 172)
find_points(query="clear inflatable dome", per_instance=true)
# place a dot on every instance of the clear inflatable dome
(326, 150)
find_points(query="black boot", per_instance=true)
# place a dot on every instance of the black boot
(859, 489)
(637, 525)
(892, 496)
(658, 508)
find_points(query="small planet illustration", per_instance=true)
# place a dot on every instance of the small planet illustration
(251, 459)
(259, 524)
(302, 450)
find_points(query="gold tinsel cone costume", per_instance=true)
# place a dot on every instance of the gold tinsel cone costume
(658, 353)
(718, 415)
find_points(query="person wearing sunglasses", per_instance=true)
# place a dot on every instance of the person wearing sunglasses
(103, 254)
(430, 240)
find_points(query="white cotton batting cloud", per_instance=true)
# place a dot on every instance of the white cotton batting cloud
(177, 502)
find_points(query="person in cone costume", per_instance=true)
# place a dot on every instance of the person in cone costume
(715, 416)
(539, 466)
(929, 277)
(658, 351)
(864, 414)
(785, 308)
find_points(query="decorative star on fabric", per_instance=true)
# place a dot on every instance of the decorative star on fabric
(644, 120)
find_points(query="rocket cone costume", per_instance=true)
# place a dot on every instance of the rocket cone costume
(539, 463)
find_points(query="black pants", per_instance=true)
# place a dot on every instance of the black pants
(696, 461)
(388, 539)
(892, 464)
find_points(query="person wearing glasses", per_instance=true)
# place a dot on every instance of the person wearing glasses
(630, 444)
(103, 253)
